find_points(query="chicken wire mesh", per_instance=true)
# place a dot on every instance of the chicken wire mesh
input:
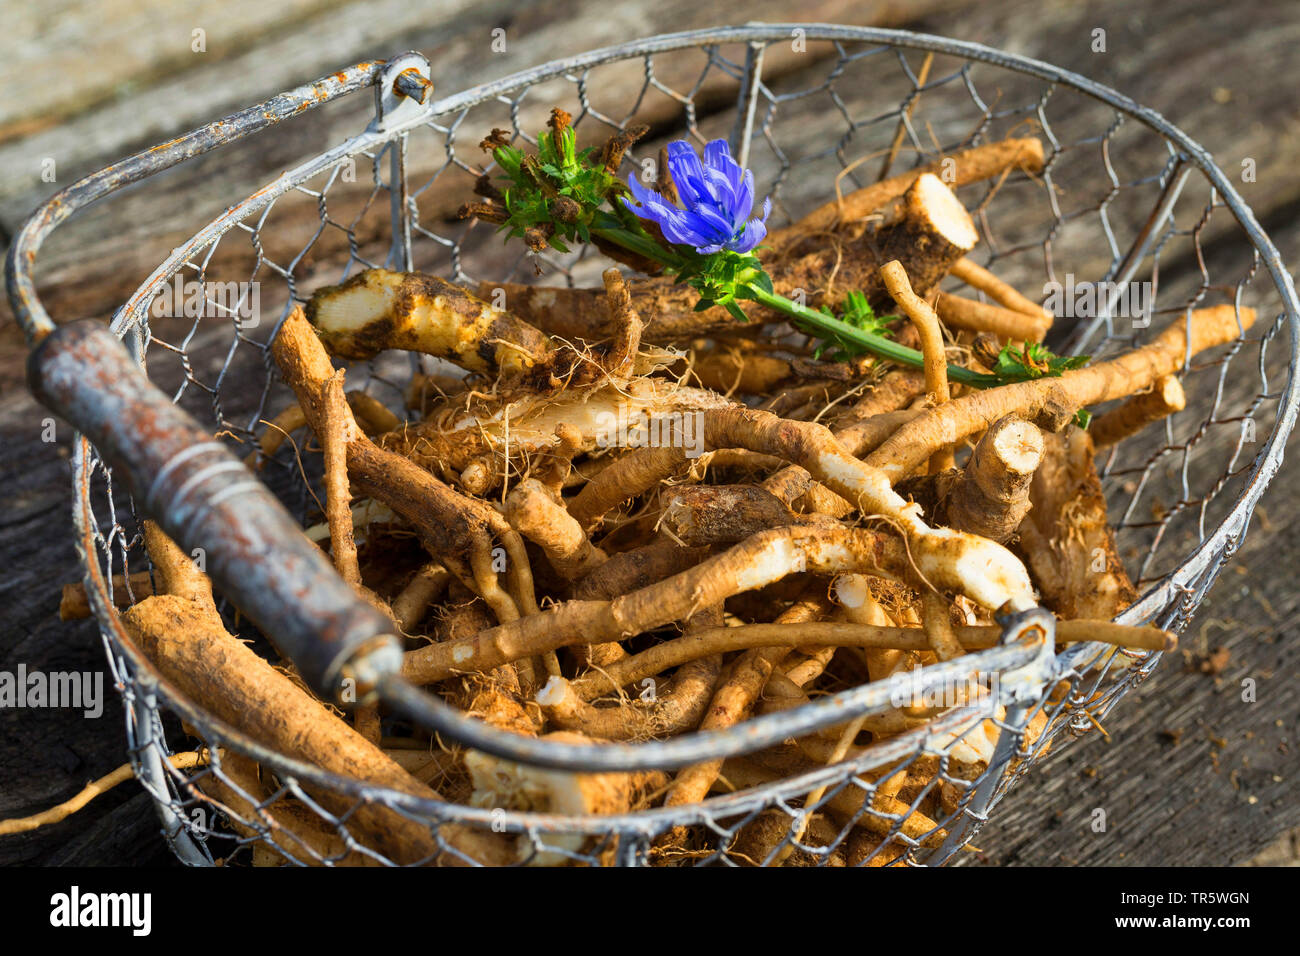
(815, 112)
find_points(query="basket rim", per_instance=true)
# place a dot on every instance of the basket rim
(1221, 542)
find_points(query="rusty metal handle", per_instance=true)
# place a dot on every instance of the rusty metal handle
(204, 497)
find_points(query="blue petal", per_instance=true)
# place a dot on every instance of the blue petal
(681, 227)
(681, 233)
(654, 206)
(726, 192)
(715, 223)
(651, 213)
(677, 225)
(753, 233)
(633, 208)
(643, 194)
(717, 156)
(688, 174)
(744, 204)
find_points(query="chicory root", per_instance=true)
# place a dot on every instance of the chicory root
(378, 309)
(502, 784)
(841, 750)
(666, 307)
(625, 572)
(932, 231)
(371, 414)
(990, 496)
(621, 356)
(455, 529)
(757, 561)
(958, 312)
(299, 835)
(675, 708)
(722, 640)
(1145, 408)
(181, 761)
(927, 325)
(177, 572)
(728, 371)
(983, 571)
(959, 169)
(733, 702)
(848, 804)
(1078, 388)
(1066, 539)
(532, 511)
(757, 842)
(1004, 294)
(632, 475)
(501, 439)
(937, 624)
(811, 666)
(205, 663)
(930, 332)
(337, 429)
(721, 514)
(980, 569)
(74, 602)
(413, 601)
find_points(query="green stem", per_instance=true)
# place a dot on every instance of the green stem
(875, 344)
(643, 245)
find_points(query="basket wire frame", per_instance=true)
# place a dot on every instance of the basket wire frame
(1124, 197)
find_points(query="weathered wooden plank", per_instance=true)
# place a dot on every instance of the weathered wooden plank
(60, 58)
(1191, 772)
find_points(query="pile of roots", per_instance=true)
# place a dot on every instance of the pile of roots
(611, 517)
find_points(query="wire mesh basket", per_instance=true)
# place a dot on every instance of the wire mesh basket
(1124, 198)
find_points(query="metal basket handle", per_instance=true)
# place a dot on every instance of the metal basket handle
(205, 497)
(196, 490)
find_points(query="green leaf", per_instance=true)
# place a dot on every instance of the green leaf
(736, 311)
(855, 313)
(556, 169)
(1034, 361)
(721, 278)
(509, 159)
(1083, 418)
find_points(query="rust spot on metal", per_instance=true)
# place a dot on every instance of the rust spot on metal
(161, 146)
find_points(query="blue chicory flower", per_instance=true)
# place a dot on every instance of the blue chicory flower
(718, 194)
